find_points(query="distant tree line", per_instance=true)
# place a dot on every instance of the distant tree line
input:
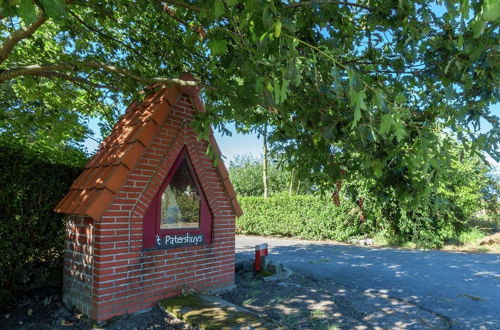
(466, 195)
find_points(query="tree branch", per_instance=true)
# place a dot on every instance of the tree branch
(30, 70)
(104, 35)
(173, 14)
(326, 2)
(183, 5)
(78, 80)
(20, 34)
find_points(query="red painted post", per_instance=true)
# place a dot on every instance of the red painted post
(257, 265)
(263, 258)
(263, 247)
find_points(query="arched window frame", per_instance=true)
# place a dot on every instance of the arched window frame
(156, 238)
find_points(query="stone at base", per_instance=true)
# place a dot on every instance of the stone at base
(208, 312)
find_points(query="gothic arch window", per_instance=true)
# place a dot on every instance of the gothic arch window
(179, 214)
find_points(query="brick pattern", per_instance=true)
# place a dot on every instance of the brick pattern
(78, 258)
(124, 277)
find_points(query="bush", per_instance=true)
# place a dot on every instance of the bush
(427, 212)
(300, 216)
(33, 180)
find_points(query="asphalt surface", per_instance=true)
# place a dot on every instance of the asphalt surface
(462, 288)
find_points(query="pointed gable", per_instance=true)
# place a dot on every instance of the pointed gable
(107, 171)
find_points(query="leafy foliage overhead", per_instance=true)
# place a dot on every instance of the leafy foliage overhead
(370, 88)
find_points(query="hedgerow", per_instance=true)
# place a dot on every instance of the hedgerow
(32, 181)
(300, 216)
(316, 217)
(426, 213)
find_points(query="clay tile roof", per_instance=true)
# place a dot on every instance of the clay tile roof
(106, 172)
(228, 186)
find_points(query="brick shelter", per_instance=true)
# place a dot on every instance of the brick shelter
(150, 216)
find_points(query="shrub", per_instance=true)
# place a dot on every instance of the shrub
(32, 235)
(300, 216)
(427, 212)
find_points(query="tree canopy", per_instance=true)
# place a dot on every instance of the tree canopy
(369, 88)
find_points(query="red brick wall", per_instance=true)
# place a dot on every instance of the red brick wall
(126, 278)
(78, 257)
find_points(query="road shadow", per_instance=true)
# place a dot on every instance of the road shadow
(461, 289)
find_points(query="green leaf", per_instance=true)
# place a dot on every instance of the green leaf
(277, 91)
(284, 88)
(465, 8)
(217, 47)
(448, 65)
(232, 3)
(27, 11)
(54, 8)
(355, 83)
(380, 97)
(7, 9)
(218, 8)
(269, 86)
(477, 26)
(491, 10)
(460, 41)
(399, 130)
(435, 163)
(337, 82)
(277, 29)
(400, 98)
(377, 167)
(359, 104)
(385, 124)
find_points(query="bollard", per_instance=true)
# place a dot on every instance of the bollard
(257, 265)
(263, 247)
(263, 257)
(261, 251)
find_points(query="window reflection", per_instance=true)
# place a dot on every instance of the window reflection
(180, 202)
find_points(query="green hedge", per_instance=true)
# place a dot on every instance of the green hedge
(300, 216)
(32, 182)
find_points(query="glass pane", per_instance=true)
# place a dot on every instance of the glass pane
(180, 202)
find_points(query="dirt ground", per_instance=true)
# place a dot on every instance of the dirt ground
(302, 302)
(489, 244)
(43, 309)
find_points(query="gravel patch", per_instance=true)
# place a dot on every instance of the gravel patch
(303, 302)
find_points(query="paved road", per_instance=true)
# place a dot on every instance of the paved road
(462, 288)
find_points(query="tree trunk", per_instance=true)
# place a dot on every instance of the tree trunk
(336, 193)
(291, 184)
(362, 217)
(265, 178)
